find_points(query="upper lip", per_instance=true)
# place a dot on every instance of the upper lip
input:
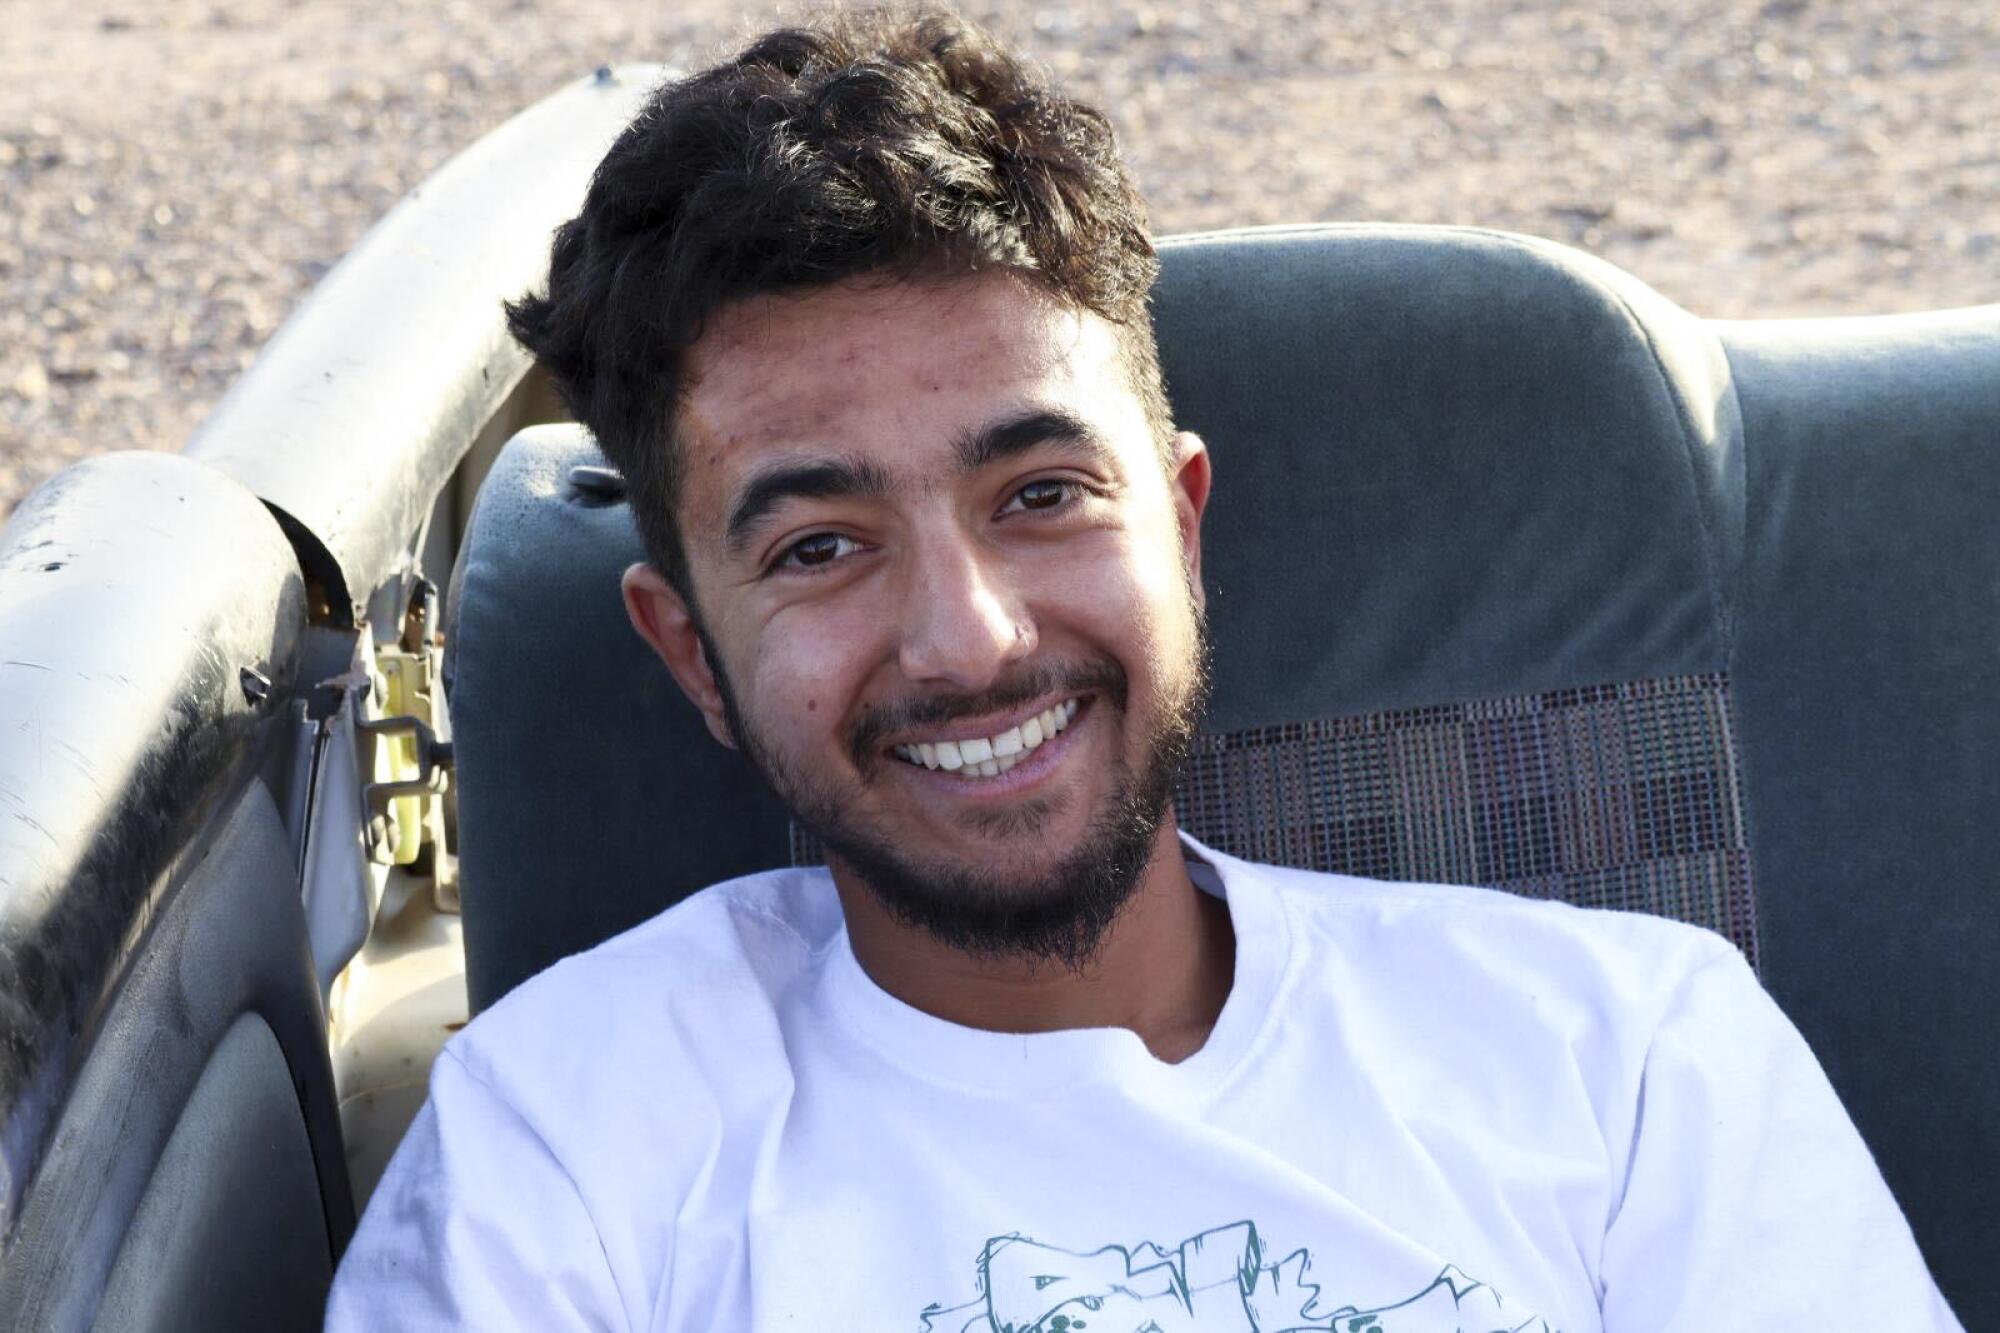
(978, 728)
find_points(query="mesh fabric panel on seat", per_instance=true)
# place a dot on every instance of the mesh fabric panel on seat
(1622, 796)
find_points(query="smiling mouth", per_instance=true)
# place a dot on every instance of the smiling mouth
(990, 756)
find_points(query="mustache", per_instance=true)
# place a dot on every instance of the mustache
(878, 722)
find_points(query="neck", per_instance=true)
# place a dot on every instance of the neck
(1162, 970)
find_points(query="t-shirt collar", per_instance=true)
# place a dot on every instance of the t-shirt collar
(946, 1052)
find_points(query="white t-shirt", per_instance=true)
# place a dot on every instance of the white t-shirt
(1422, 1110)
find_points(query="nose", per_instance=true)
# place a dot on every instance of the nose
(962, 623)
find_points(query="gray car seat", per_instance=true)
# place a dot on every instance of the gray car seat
(1518, 574)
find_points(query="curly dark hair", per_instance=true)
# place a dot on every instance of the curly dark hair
(906, 143)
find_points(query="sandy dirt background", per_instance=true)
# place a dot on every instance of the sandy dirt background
(175, 176)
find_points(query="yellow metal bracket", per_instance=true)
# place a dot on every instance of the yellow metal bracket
(406, 800)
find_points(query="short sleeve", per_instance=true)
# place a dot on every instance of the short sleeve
(475, 1225)
(1750, 1201)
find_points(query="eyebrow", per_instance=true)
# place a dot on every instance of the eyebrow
(837, 477)
(815, 479)
(1016, 435)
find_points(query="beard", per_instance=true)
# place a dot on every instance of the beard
(1058, 914)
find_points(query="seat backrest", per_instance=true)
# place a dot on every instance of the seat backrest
(1506, 586)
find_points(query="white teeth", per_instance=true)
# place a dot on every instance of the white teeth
(990, 756)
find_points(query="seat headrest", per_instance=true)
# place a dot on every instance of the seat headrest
(590, 794)
(1449, 465)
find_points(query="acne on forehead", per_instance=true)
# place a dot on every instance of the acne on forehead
(758, 350)
(864, 364)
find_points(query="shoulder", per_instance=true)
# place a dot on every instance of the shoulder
(772, 918)
(711, 970)
(1478, 1007)
(1480, 940)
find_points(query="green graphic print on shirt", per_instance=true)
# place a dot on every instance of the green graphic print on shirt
(1216, 1282)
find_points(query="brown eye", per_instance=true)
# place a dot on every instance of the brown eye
(1043, 494)
(819, 549)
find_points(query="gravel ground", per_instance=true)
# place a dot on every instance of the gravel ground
(173, 178)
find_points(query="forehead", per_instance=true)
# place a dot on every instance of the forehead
(885, 367)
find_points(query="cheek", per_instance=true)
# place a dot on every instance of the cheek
(810, 663)
(1129, 595)
(1155, 556)
(1170, 590)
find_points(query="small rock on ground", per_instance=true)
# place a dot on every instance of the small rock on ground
(173, 178)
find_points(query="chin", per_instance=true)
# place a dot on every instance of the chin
(1052, 907)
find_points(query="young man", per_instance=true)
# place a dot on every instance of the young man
(861, 316)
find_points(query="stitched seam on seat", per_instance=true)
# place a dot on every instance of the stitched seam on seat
(1690, 449)
(1196, 239)
(1545, 250)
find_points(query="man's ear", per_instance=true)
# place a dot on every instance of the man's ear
(1189, 479)
(662, 618)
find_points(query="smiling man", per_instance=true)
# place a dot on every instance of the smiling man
(861, 315)
(941, 584)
